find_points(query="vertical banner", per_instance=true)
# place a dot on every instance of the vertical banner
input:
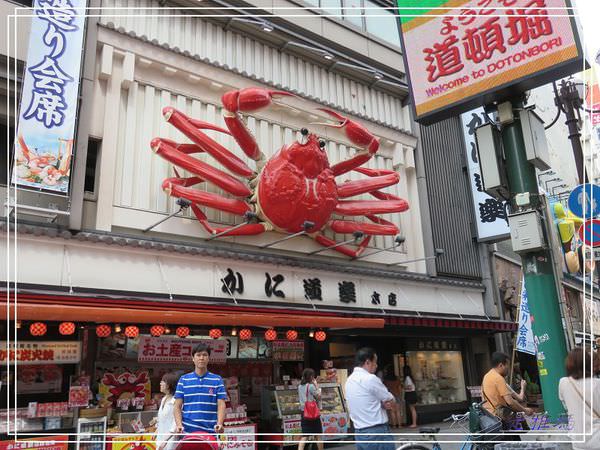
(46, 127)
(525, 341)
(491, 215)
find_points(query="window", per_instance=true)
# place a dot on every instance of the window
(380, 22)
(90, 165)
(6, 155)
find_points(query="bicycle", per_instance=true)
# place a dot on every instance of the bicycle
(460, 422)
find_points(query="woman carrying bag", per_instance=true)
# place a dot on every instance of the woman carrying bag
(309, 395)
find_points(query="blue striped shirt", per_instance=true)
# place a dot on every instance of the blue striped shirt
(200, 395)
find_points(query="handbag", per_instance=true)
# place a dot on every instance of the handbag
(311, 409)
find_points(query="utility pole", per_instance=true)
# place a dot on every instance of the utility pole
(540, 280)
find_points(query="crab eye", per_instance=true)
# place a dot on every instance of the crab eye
(304, 131)
(303, 138)
(322, 144)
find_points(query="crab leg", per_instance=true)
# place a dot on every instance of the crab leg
(348, 251)
(191, 128)
(351, 188)
(370, 207)
(177, 187)
(359, 136)
(245, 230)
(349, 227)
(167, 149)
(247, 100)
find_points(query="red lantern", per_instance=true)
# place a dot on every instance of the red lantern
(66, 328)
(157, 330)
(103, 331)
(245, 334)
(132, 331)
(215, 333)
(38, 329)
(182, 332)
(270, 335)
(320, 336)
(291, 335)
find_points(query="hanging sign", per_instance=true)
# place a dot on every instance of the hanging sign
(164, 350)
(46, 127)
(491, 215)
(525, 341)
(464, 54)
(44, 352)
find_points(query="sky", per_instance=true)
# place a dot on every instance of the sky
(589, 12)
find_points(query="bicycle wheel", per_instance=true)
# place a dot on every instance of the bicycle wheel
(414, 447)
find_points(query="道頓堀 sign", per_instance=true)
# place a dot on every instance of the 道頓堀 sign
(46, 128)
(463, 54)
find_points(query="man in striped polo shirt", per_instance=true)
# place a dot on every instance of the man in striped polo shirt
(200, 397)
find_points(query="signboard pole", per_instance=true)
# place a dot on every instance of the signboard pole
(539, 277)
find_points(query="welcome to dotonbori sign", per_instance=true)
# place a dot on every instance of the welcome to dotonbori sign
(461, 54)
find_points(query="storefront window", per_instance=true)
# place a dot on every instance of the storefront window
(438, 376)
(332, 7)
(353, 12)
(381, 23)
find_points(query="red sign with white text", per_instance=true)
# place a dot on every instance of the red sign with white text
(476, 51)
(164, 350)
(41, 443)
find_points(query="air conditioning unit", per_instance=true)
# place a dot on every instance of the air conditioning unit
(526, 232)
(534, 136)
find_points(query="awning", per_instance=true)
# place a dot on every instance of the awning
(27, 309)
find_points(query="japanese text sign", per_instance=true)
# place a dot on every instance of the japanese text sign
(38, 443)
(44, 352)
(46, 127)
(463, 54)
(163, 350)
(525, 341)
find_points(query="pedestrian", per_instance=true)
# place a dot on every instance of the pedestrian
(393, 384)
(498, 396)
(165, 420)
(200, 397)
(368, 399)
(309, 391)
(580, 394)
(410, 396)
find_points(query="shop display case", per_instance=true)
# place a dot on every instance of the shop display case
(281, 409)
(91, 433)
(438, 376)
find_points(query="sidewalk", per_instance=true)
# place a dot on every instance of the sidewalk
(406, 435)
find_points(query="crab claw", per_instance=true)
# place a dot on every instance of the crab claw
(357, 133)
(251, 99)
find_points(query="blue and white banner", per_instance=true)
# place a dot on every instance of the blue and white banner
(46, 128)
(525, 341)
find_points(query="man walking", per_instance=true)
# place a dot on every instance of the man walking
(367, 399)
(200, 397)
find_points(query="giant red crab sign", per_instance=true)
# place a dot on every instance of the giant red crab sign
(295, 190)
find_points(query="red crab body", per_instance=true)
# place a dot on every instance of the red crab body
(295, 190)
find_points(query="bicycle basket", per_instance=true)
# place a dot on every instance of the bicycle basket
(490, 426)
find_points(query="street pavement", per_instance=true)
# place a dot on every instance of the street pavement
(545, 439)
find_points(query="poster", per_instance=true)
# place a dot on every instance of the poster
(248, 349)
(240, 437)
(478, 51)
(137, 442)
(491, 216)
(125, 389)
(46, 127)
(335, 426)
(288, 350)
(39, 379)
(79, 391)
(42, 352)
(40, 443)
(292, 429)
(525, 341)
(166, 350)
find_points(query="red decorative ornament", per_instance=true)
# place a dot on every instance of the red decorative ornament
(103, 331)
(245, 334)
(182, 332)
(291, 335)
(157, 330)
(132, 331)
(296, 185)
(38, 329)
(320, 336)
(270, 335)
(66, 328)
(215, 333)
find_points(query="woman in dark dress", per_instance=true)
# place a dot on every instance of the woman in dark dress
(309, 391)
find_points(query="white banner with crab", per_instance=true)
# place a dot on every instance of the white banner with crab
(48, 110)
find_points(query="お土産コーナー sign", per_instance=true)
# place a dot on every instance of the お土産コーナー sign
(464, 54)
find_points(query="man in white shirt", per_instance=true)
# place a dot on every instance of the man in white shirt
(367, 399)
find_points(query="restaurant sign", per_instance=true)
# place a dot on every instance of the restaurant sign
(463, 54)
(162, 350)
(37, 443)
(30, 352)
